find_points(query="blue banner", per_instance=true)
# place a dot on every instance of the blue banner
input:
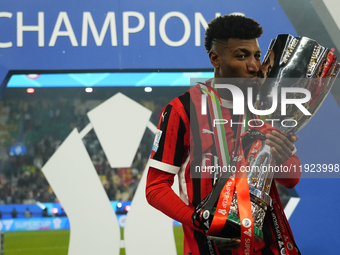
(42, 36)
(46, 223)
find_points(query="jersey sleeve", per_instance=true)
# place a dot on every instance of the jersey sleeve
(168, 147)
(292, 176)
(160, 195)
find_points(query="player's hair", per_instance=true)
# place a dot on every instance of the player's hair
(231, 26)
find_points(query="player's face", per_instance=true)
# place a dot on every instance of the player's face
(238, 58)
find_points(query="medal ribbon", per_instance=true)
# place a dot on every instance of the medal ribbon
(219, 132)
(244, 205)
(224, 201)
(241, 181)
(283, 238)
(222, 207)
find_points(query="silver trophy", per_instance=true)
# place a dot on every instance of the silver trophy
(291, 62)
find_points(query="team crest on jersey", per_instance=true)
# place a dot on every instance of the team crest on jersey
(156, 141)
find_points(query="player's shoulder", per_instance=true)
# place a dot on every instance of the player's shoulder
(192, 94)
(192, 97)
(179, 106)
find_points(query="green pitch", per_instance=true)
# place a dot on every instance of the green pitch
(37, 243)
(56, 242)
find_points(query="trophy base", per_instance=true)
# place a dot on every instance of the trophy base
(232, 229)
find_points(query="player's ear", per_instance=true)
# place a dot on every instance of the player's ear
(214, 58)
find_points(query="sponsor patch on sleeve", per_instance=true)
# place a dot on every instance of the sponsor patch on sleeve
(156, 141)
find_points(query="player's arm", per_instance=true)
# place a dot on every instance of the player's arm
(283, 150)
(167, 155)
(292, 177)
(160, 195)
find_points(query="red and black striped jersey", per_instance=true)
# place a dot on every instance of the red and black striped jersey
(184, 141)
(184, 145)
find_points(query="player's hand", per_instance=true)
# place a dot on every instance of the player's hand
(226, 243)
(281, 145)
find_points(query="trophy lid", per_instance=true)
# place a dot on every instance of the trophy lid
(291, 64)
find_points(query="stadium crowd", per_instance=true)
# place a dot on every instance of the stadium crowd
(34, 129)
